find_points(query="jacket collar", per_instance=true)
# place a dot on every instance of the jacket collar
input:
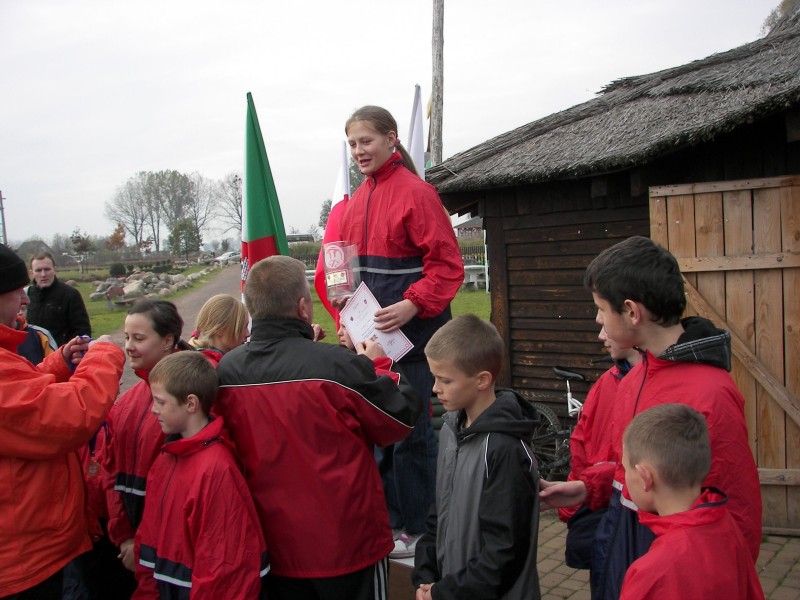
(390, 166)
(180, 446)
(708, 508)
(280, 328)
(10, 338)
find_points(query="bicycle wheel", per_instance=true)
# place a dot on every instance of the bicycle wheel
(550, 445)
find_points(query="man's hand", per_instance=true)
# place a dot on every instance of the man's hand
(395, 316)
(74, 349)
(424, 592)
(338, 303)
(558, 494)
(127, 555)
(371, 349)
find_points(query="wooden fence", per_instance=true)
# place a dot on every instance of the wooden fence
(738, 245)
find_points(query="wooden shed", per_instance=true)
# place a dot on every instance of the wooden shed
(705, 158)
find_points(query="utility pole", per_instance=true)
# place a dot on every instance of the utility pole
(3, 220)
(437, 88)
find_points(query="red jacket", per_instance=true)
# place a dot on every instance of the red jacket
(133, 440)
(590, 442)
(711, 391)
(305, 417)
(697, 554)
(45, 416)
(406, 247)
(200, 529)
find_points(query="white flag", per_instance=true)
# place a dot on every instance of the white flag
(416, 145)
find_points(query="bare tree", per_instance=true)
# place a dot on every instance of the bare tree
(785, 9)
(128, 207)
(174, 192)
(228, 198)
(201, 209)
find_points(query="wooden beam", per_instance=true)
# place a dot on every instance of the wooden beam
(779, 476)
(723, 186)
(748, 262)
(754, 366)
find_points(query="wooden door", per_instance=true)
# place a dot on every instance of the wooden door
(738, 245)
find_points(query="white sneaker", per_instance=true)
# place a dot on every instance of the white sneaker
(404, 546)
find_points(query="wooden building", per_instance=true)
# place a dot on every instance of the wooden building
(701, 157)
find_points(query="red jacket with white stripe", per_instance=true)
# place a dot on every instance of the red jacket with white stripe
(590, 443)
(406, 247)
(133, 440)
(199, 536)
(305, 416)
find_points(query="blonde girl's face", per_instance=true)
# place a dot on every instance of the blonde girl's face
(229, 341)
(143, 345)
(369, 148)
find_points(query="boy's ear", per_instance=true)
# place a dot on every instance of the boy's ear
(485, 380)
(632, 311)
(192, 404)
(645, 473)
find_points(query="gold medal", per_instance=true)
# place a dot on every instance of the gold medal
(93, 469)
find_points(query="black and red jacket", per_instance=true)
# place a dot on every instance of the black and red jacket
(199, 536)
(133, 441)
(305, 416)
(406, 247)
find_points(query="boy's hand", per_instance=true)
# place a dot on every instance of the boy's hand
(424, 592)
(126, 555)
(558, 494)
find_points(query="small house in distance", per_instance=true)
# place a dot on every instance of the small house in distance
(704, 158)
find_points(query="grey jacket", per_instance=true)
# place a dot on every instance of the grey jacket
(481, 536)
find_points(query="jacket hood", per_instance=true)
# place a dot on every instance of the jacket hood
(709, 507)
(510, 414)
(180, 446)
(701, 342)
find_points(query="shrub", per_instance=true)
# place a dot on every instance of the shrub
(117, 270)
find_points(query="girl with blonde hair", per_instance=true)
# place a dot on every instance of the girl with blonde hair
(222, 325)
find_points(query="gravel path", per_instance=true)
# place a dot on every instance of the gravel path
(227, 281)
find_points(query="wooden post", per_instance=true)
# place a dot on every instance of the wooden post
(437, 87)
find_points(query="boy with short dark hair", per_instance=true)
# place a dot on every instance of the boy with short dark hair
(199, 534)
(638, 289)
(481, 536)
(699, 551)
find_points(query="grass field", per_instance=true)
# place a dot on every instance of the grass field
(465, 302)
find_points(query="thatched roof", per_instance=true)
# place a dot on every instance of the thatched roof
(635, 119)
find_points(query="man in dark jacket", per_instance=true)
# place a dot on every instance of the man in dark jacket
(54, 305)
(305, 417)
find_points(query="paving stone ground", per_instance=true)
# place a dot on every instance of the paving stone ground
(778, 565)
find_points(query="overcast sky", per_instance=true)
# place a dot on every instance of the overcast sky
(95, 91)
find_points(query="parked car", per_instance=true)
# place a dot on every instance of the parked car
(228, 257)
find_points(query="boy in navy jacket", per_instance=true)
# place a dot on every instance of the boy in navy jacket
(199, 535)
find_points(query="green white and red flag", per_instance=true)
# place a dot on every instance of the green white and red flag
(263, 233)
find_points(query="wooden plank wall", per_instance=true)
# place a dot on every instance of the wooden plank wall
(755, 226)
(538, 300)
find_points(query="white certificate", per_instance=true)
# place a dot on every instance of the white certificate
(358, 318)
